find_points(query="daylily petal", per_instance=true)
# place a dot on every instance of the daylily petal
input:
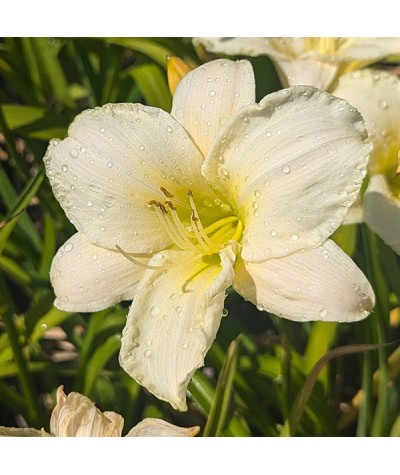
(210, 95)
(76, 415)
(114, 161)
(87, 277)
(370, 49)
(159, 428)
(320, 284)
(377, 96)
(382, 211)
(306, 72)
(247, 46)
(292, 166)
(173, 321)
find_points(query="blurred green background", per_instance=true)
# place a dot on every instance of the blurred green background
(260, 377)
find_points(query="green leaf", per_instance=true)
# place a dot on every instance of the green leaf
(145, 46)
(153, 85)
(18, 206)
(99, 359)
(223, 394)
(17, 116)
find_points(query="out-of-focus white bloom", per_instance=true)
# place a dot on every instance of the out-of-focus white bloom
(316, 61)
(376, 95)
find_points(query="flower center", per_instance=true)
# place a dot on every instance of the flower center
(189, 233)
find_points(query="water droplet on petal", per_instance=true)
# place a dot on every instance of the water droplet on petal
(74, 153)
(323, 312)
(109, 164)
(382, 104)
(212, 93)
(90, 203)
(257, 193)
(43, 326)
(94, 257)
(286, 169)
(224, 312)
(169, 128)
(294, 237)
(148, 353)
(155, 311)
(68, 247)
(185, 345)
(64, 168)
(273, 233)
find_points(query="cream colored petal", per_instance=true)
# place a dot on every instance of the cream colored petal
(376, 95)
(291, 166)
(114, 161)
(320, 284)
(355, 214)
(306, 72)
(250, 46)
(370, 49)
(173, 321)
(210, 95)
(87, 278)
(76, 415)
(159, 428)
(382, 211)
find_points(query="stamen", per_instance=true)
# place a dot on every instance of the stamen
(198, 229)
(172, 230)
(138, 263)
(166, 192)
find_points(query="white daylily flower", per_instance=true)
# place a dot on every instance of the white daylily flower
(172, 209)
(76, 415)
(376, 95)
(313, 61)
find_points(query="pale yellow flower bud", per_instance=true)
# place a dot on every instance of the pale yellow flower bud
(177, 68)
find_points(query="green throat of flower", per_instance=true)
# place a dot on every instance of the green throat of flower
(192, 235)
(189, 234)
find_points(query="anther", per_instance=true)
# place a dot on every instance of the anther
(170, 205)
(166, 192)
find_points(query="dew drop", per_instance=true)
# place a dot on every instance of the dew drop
(43, 326)
(68, 247)
(102, 130)
(64, 168)
(286, 169)
(148, 353)
(185, 345)
(109, 164)
(260, 307)
(155, 311)
(224, 312)
(257, 193)
(382, 104)
(90, 203)
(273, 233)
(73, 153)
(212, 93)
(94, 257)
(169, 128)
(83, 149)
(323, 312)
(141, 147)
(225, 172)
(294, 237)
